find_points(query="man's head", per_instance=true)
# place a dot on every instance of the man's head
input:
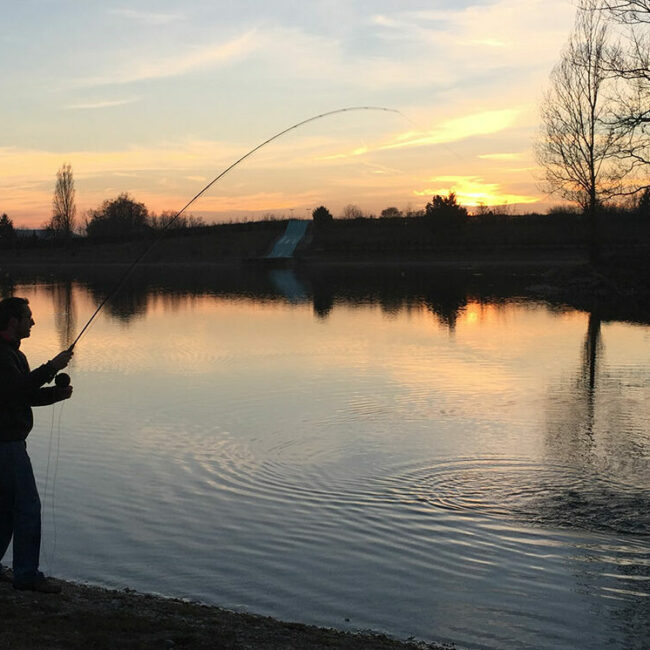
(15, 318)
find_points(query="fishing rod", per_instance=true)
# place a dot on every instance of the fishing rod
(140, 257)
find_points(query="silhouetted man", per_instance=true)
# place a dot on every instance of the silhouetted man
(20, 389)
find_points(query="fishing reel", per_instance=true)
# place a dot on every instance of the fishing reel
(62, 380)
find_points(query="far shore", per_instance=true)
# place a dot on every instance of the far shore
(619, 289)
(85, 616)
(111, 255)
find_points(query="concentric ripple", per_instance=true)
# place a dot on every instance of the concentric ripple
(232, 467)
(553, 495)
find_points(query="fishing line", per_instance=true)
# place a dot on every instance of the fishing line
(128, 271)
(49, 556)
(47, 478)
(56, 471)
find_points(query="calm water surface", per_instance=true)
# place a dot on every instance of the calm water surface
(418, 462)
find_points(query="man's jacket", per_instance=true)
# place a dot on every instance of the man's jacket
(20, 389)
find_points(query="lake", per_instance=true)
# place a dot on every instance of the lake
(434, 455)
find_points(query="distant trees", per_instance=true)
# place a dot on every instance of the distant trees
(64, 210)
(7, 232)
(391, 213)
(124, 218)
(322, 216)
(352, 211)
(168, 220)
(445, 210)
(119, 218)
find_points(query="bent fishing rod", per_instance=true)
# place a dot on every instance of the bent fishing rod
(140, 257)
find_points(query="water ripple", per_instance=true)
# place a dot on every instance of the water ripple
(555, 495)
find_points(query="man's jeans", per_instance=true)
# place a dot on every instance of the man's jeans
(20, 511)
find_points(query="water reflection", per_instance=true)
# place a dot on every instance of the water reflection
(7, 284)
(445, 293)
(590, 427)
(288, 285)
(327, 431)
(65, 312)
(446, 301)
(592, 350)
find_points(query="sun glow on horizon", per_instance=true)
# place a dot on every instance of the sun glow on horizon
(473, 191)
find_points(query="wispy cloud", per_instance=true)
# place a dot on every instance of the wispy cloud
(454, 130)
(182, 62)
(101, 104)
(504, 32)
(501, 156)
(146, 17)
(467, 126)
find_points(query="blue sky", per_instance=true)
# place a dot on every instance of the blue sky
(156, 98)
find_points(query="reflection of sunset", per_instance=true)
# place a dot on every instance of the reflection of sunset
(496, 350)
(471, 315)
(190, 335)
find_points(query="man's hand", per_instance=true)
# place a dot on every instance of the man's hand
(63, 392)
(61, 360)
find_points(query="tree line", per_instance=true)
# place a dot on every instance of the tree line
(120, 218)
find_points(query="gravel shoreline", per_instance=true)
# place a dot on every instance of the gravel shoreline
(86, 617)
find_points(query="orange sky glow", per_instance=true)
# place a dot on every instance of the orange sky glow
(185, 93)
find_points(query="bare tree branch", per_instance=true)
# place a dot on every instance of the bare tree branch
(630, 12)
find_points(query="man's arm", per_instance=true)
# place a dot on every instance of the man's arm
(19, 384)
(43, 396)
(45, 374)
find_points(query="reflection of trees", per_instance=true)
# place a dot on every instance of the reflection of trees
(65, 316)
(394, 290)
(7, 285)
(592, 425)
(446, 302)
(147, 285)
(592, 422)
(592, 348)
(129, 302)
(593, 430)
(586, 383)
(323, 301)
(571, 410)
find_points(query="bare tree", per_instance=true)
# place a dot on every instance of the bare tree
(63, 205)
(629, 60)
(581, 149)
(352, 211)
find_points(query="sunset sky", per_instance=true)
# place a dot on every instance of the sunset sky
(157, 98)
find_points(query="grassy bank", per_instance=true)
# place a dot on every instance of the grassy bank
(91, 617)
